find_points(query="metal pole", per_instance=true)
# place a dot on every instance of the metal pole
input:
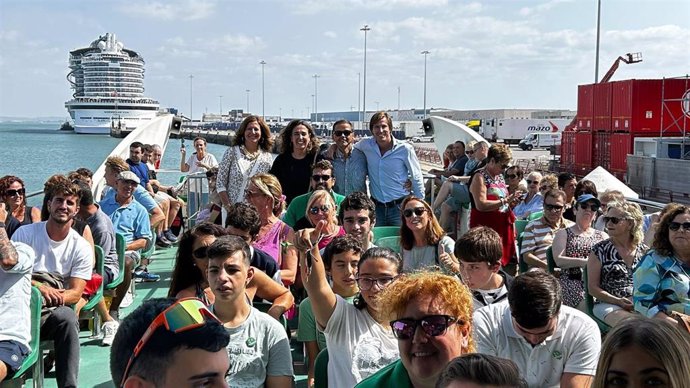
(398, 103)
(263, 101)
(220, 103)
(596, 60)
(191, 114)
(247, 101)
(425, 52)
(359, 97)
(316, 98)
(364, 95)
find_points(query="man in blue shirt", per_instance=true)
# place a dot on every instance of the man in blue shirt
(349, 166)
(390, 164)
(138, 167)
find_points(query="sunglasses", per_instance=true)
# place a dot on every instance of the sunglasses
(592, 206)
(342, 133)
(418, 211)
(432, 325)
(469, 152)
(550, 207)
(15, 192)
(200, 253)
(365, 284)
(613, 220)
(315, 209)
(675, 226)
(185, 314)
(319, 178)
(543, 188)
(511, 176)
(251, 194)
(529, 182)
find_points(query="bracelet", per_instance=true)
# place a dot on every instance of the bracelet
(2, 225)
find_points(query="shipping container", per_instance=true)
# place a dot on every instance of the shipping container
(601, 155)
(585, 107)
(568, 151)
(583, 152)
(637, 106)
(602, 107)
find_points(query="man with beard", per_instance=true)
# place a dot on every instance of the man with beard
(63, 264)
(349, 165)
(321, 179)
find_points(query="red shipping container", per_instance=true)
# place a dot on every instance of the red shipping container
(621, 145)
(585, 107)
(602, 107)
(568, 150)
(583, 152)
(601, 155)
(637, 106)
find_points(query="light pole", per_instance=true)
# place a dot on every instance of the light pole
(191, 114)
(316, 98)
(312, 108)
(247, 100)
(425, 52)
(263, 101)
(596, 59)
(220, 104)
(359, 97)
(364, 96)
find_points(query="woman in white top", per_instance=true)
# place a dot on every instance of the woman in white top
(359, 340)
(250, 155)
(200, 161)
(423, 240)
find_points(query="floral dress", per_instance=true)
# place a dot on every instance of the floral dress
(616, 277)
(571, 278)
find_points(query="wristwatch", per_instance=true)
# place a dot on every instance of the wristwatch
(2, 225)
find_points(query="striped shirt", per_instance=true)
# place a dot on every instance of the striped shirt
(538, 237)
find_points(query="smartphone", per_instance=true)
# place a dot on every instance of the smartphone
(182, 144)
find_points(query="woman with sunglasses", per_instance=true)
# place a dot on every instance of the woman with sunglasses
(571, 248)
(662, 280)
(299, 150)
(188, 279)
(275, 236)
(513, 176)
(423, 240)
(321, 207)
(250, 155)
(358, 338)
(611, 264)
(491, 203)
(533, 201)
(431, 317)
(13, 195)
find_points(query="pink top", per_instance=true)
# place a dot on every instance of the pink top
(270, 242)
(327, 239)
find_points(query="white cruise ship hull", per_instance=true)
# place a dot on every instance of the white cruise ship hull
(98, 121)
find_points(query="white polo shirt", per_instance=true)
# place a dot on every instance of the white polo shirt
(573, 348)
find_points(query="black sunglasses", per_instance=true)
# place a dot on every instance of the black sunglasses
(592, 206)
(341, 133)
(315, 209)
(432, 325)
(15, 192)
(319, 178)
(529, 182)
(675, 226)
(200, 253)
(418, 211)
(469, 152)
(550, 207)
(613, 220)
(511, 176)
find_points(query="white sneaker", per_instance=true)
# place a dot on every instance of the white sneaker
(109, 329)
(127, 300)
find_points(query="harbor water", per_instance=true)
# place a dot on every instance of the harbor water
(34, 151)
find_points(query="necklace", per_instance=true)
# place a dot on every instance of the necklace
(247, 154)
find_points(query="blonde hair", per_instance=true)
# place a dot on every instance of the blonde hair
(663, 341)
(450, 295)
(117, 164)
(269, 185)
(550, 180)
(633, 213)
(326, 196)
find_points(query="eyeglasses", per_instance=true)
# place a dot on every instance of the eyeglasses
(529, 182)
(319, 178)
(342, 133)
(615, 220)
(15, 192)
(251, 194)
(511, 176)
(185, 314)
(365, 284)
(469, 152)
(675, 226)
(418, 211)
(432, 325)
(552, 208)
(592, 206)
(315, 209)
(200, 253)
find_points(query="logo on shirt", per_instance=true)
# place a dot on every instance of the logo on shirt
(557, 355)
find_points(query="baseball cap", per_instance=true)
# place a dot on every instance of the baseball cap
(588, 197)
(128, 176)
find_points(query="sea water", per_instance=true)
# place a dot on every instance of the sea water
(34, 151)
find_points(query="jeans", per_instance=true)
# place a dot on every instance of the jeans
(388, 216)
(62, 327)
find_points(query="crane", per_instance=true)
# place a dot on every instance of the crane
(627, 58)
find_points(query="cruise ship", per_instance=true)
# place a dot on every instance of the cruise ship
(108, 84)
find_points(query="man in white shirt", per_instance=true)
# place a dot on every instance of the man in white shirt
(60, 251)
(552, 345)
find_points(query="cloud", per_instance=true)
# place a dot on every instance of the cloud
(330, 34)
(310, 7)
(225, 44)
(529, 11)
(170, 10)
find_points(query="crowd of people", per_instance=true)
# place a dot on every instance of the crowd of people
(296, 238)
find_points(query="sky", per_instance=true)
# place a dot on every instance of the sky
(482, 54)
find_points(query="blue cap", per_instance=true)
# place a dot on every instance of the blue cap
(588, 197)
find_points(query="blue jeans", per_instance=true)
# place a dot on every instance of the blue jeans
(388, 216)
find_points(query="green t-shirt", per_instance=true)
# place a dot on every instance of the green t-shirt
(298, 207)
(393, 375)
(307, 329)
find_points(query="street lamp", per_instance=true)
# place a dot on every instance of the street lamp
(191, 77)
(596, 59)
(425, 52)
(316, 98)
(220, 104)
(247, 100)
(263, 101)
(364, 96)
(359, 96)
